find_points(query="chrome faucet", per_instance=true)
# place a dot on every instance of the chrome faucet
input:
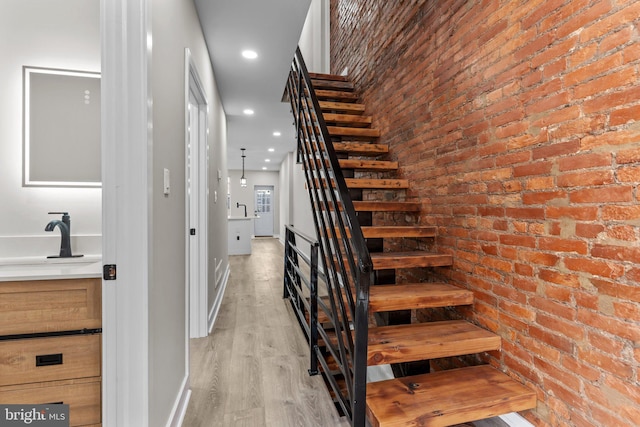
(238, 204)
(65, 231)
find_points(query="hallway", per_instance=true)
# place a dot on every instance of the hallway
(252, 370)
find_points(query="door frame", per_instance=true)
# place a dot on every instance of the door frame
(197, 287)
(127, 138)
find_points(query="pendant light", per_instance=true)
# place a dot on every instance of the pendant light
(243, 180)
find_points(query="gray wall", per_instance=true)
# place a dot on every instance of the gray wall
(52, 34)
(175, 26)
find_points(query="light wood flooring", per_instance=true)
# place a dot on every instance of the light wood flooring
(252, 370)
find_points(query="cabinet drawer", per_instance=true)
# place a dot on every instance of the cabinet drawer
(50, 305)
(82, 396)
(48, 359)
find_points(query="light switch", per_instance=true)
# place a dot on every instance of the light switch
(167, 183)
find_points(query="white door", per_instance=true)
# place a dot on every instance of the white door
(196, 205)
(263, 224)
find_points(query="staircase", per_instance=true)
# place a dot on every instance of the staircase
(440, 398)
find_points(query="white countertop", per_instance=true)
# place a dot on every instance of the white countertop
(40, 268)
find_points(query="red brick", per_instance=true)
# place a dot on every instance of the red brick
(547, 104)
(595, 267)
(586, 161)
(607, 24)
(539, 258)
(525, 213)
(583, 18)
(616, 40)
(562, 245)
(564, 279)
(596, 68)
(539, 183)
(554, 150)
(550, 338)
(518, 240)
(609, 324)
(537, 168)
(623, 232)
(625, 115)
(602, 195)
(629, 174)
(587, 372)
(620, 253)
(620, 213)
(605, 362)
(582, 179)
(618, 79)
(611, 100)
(588, 230)
(542, 197)
(583, 213)
(523, 269)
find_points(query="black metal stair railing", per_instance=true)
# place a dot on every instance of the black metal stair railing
(343, 252)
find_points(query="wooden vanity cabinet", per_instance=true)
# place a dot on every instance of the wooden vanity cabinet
(51, 345)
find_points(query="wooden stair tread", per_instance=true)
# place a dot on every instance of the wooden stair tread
(325, 95)
(345, 107)
(347, 119)
(334, 77)
(369, 165)
(367, 183)
(353, 132)
(398, 231)
(390, 231)
(447, 397)
(359, 148)
(408, 296)
(432, 340)
(375, 206)
(413, 259)
(332, 84)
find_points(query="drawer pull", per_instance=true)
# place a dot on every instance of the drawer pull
(55, 403)
(49, 359)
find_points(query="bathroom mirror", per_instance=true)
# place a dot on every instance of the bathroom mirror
(61, 144)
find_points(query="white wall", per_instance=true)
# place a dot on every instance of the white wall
(299, 205)
(175, 26)
(246, 195)
(314, 40)
(51, 34)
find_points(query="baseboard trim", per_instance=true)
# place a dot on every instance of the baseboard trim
(215, 309)
(180, 406)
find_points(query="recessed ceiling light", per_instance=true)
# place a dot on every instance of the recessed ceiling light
(264, 168)
(267, 160)
(249, 54)
(276, 133)
(271, 150)
(248, 111)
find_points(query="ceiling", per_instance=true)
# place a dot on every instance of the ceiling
(272, 29)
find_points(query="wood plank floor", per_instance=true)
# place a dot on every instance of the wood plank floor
(252, 370)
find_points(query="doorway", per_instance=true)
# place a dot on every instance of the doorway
(263, 199)
(197, 202)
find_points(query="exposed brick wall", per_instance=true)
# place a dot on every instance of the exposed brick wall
(519, 126)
